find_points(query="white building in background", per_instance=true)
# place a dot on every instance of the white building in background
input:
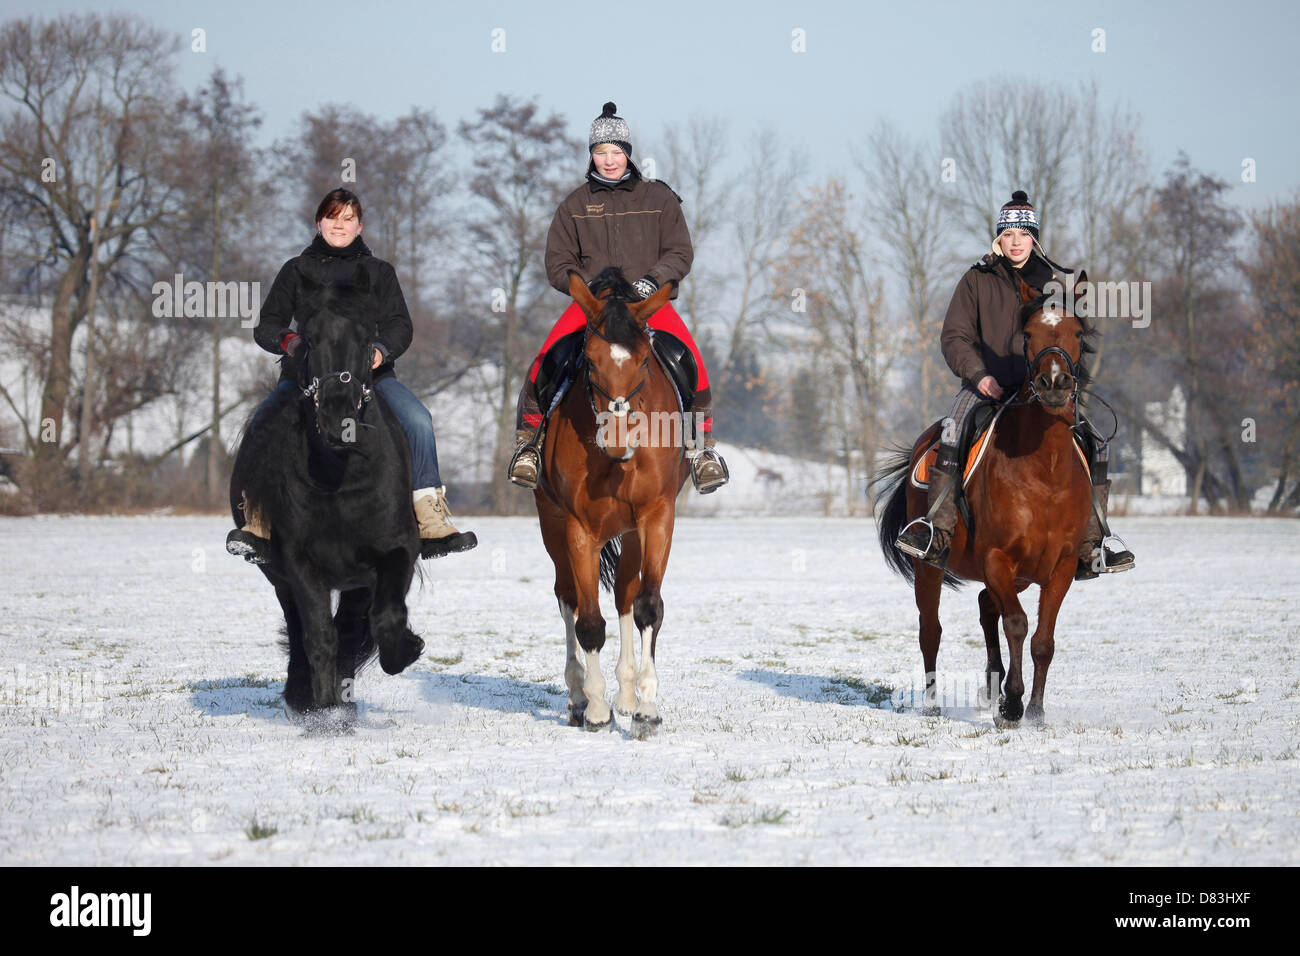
(1162, 474)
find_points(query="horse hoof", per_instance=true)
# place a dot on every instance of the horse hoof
(626, 710)
(1034, 715)
(592, 727)
(330, 721)
(1010, 711)
(645, 727)
(577, 715)
(408, 650)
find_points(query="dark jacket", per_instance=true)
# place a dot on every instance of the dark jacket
(323, 263)
(981, 332)
(636, 225)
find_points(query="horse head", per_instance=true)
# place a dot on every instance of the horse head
(1054, 344)
(334, 370)
(618, 354)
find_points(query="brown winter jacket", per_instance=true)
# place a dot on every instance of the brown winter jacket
(981, 332)
(636, 225)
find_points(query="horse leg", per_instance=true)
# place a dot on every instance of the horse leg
(656, 535)
(566, 595)
(993, 671)
(1043, 643)
(297, 684)
(999, 576)
(320, 642)
(584, 559)
(927, 588)
(625, 590)
(355, 643)
(399, 646)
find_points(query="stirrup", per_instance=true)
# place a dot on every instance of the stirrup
(709, 454)
(928, 554)
(514, 459)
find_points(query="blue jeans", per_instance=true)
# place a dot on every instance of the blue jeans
(411, 414)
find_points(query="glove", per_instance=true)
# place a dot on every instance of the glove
(290, 343)
(645, 287)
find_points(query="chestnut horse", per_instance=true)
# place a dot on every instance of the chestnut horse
(1029, 502)
(605, 481)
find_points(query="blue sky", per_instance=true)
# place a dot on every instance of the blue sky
(1219, 81)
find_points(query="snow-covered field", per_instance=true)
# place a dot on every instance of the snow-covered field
(140, 720)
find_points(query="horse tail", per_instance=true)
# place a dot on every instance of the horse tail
(891, 514)
(609, 555)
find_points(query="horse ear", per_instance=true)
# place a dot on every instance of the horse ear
(641, 311)
(582, 295)
(1081, 277)
(1026, 293)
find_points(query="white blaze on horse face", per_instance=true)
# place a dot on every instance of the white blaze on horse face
(1051, 318)
(619, 354)
(1056, 368)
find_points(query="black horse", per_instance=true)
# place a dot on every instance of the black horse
(329, 469)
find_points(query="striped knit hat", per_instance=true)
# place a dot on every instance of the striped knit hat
(1017, 214)
(609, 128)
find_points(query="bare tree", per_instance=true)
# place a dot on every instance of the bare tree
(70, 84)
(827, 266)
(905, 206)
(1273, 269)
(1005, 135)
(225, 213)
(523, 164)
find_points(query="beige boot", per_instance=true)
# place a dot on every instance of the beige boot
(438, 536)
(526, 464)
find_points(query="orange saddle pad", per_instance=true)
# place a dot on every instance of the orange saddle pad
(921, 470)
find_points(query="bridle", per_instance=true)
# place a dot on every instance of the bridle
(344, 377)
(619, 405)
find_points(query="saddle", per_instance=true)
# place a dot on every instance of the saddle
(975, 440)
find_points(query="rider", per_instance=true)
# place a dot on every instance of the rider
(618, 218)
(982, 345)
(333, 257)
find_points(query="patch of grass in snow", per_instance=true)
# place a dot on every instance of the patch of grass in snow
(850, 690)
(766, 815)
(248, 680)
(512, 654)
(716, 660)
(734, 775)
(447, 661)
(256, 830)
(361, 815)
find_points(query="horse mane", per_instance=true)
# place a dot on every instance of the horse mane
(620, 327)
(1090, 332)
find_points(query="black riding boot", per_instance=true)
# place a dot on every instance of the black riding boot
(930, 538)
(1095, 558)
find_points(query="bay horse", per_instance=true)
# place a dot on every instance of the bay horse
(329, 468)
(1029, 504)
(606, 500)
